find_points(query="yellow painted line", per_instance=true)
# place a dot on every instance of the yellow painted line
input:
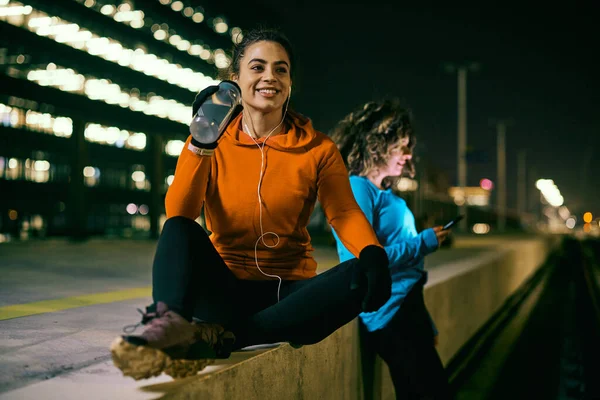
(47, 306)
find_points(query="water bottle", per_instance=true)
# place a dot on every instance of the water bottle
(216, 112)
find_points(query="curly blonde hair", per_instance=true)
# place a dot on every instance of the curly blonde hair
(366, 135)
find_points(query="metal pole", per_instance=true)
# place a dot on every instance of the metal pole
(501, 126)
(462, 140)
(533, 193)
(522, 183)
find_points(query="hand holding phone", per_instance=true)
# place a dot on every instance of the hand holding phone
(452, 223)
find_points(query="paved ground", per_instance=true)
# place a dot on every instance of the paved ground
(62, 303)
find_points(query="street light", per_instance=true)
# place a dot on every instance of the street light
(550, 192)
(461, 70)
(550, 195)
(501, 126)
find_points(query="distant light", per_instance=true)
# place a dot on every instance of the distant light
(137, 141)
(184, 45)
(235, 30)
(12, 163)
(587, 217)
(195, 50)
(165, 2)
(160, 35)
(107, 9)
(124, 7)
(138, 176)
(174, 147)
(131, 208)
(137, 23)
(221, 60)
(198, 17)
(177, 6)
(407, 185)
(89, 3)
(486, 184)
(89, 172)
(550, 192)
(570, 223)
(15, 11)
(41, 165)
(175, 39)
(541, 183)
(13, 215)
(143, 209)
(170, 179)
(587, 228)
(205, 54)
(188, 11)
(481, 229)
(220, 25)
(238, 37)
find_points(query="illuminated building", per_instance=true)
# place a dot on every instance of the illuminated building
(95, 98)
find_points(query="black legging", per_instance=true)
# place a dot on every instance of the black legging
(406, 345)
(194, 281)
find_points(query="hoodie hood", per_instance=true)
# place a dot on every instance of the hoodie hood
(299, 134)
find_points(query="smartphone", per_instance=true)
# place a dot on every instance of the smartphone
(451, 223)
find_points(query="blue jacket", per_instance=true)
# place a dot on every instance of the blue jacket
(394, 225)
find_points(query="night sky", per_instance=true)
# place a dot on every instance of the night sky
(537, 69)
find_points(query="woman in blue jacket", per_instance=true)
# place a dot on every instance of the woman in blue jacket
(376, 142)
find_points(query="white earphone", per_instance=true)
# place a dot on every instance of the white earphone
(260, 203)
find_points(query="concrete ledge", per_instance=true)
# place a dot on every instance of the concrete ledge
(466, 286)
(461, 297)
(327, 370)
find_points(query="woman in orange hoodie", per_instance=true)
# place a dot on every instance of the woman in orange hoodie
(253, 279)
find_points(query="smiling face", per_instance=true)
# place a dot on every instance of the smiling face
(264, 77)
(397, 157)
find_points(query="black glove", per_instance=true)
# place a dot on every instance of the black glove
(374, 262)
(201, 98)
(198, 101)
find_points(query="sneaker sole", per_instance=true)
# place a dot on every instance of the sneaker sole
(142, 362)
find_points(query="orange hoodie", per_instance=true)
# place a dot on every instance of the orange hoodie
(300, 166)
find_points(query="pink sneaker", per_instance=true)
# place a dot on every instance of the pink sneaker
(170, 344)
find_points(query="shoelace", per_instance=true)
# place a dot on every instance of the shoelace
(146, 317)
(209, 334)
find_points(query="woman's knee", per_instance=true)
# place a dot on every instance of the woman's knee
(181, 223)
(183, 226)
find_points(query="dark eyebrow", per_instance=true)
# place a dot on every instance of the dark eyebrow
(260, 60)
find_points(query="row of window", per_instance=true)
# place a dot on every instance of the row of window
(15, 117)
(43, 171)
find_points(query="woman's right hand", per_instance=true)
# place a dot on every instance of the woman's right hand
(202, 96)
(202, 123)
(441, 234)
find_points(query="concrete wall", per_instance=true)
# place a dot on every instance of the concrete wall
(460, 296)
(327, 370)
